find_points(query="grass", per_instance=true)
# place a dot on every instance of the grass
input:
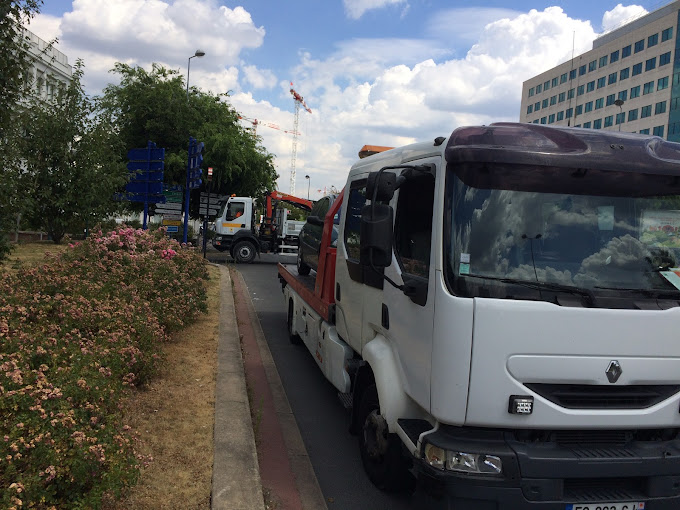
(174, 413)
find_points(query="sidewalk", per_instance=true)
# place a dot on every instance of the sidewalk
(237, 475)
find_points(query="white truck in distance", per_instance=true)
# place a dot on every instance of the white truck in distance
(237, 228)
(502, 315)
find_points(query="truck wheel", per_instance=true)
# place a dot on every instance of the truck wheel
(244, 252)
(302, 268)
(380, 451)
(293, 337)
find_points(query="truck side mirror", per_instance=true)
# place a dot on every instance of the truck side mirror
(376, 235)
(385, 183)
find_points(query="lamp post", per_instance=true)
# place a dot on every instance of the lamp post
(619, 103)
(199, 53)
(308, 183)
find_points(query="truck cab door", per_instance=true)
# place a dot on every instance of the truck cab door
(236, 216)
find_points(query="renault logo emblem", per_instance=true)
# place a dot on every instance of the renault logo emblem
(614, 371)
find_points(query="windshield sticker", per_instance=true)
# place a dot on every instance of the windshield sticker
(605, 217)
(465, 269)
(660, 228)
(673, 276)
(465, 258)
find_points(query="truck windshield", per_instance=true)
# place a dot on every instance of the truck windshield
(576, 231)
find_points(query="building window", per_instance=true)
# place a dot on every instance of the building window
(660, 107)
(597, 124)
(609, 121)
(637, 69)
(650, 64)
(553, 100)
(570, 94)
(667, 34)
(599, 103)
(652, 40)
(648, 88)
(579, 110)
(530, 109)
(563, 78)
(544, 104)
(590, 86)
(539, 88)
(624, 74)
(633, 115)
(625, 51)
(646, 111)
(560, 116)
(620, 118)
(543, 119)
(612, 78)
(603, 61)
(644, 131)
(561, 97)
(580, 90)
(623, 95)
(614, 57)
(635, 92)
(675, 103)
(610, 99)
(554, 82)
(587, 125)
(536, 121)
(676, 79)
(531, 92)
(639, 46)
(551, 118)
(592, 65)
(658, 131)
(665, 59)
(589, 106)
(674, 128)
(569, 113)
(546, 86)
(582, 70)
(662, 83)
(601, 82)
(537, 106)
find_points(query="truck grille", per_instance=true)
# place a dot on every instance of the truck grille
(587, 396)
(591, 490)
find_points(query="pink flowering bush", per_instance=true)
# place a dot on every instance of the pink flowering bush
(76, 334)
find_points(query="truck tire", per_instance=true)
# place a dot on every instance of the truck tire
(302, 268)
(293, 337)
(244, 252)
(380, 450)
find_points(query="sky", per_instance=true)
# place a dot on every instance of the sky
(377, 72)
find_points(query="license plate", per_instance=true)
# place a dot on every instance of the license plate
(606, 506)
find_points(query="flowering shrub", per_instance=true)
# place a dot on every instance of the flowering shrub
(76, 333)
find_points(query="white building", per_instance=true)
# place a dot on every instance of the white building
(50, 69)
(629, 81)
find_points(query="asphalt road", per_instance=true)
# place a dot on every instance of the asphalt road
(321, 418)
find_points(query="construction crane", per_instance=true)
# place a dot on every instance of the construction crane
(256, 123)
(299, 100)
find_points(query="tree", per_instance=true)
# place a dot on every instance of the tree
(14, 62)
(153, 106)
(72, 161)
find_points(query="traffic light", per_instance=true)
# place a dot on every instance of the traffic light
(194, 171)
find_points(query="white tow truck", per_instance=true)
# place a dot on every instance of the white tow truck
(237, 228)
(502, 316)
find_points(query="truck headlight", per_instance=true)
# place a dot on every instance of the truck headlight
(462, 462)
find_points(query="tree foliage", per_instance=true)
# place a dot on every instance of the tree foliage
(72, 161)
(154, 106)
(14, 61)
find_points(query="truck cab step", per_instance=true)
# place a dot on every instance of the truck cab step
(346, 399)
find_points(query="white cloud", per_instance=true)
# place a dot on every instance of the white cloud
(355, 9)
(466, 23)
(621, 15)
(45, 26)
(259, 78)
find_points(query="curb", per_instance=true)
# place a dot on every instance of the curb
(306, 482)
(236, 481)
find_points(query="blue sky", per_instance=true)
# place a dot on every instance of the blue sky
(381, 72)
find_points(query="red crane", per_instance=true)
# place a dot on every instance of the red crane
(299, 101)
(256, 123)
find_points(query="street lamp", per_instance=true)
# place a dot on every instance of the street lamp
(308, 183)
(199, 53)
(619, 103)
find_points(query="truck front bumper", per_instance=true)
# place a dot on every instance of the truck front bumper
(551, 475)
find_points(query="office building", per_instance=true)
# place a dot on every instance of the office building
(50, 70)
(629, 81)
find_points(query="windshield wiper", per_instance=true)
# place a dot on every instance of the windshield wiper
(650, 293)
(538, 285)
